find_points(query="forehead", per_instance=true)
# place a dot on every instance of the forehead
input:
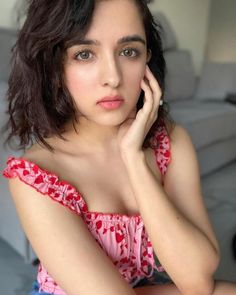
(114, 18)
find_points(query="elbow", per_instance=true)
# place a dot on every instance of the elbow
(203, 283)
(201, 287)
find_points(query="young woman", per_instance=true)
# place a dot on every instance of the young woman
(101, 189)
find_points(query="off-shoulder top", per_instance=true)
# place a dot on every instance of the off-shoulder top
(123, 238)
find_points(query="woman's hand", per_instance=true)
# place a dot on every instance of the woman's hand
(134, 130)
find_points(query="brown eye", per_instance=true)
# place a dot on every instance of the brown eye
(130, 52)
(83, 55)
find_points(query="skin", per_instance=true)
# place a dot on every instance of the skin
(120, 133)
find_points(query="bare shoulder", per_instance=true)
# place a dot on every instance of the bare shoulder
(182, 178)
(40, 156)
(183, 153)
(34, 152)
(178, 135)
(180, 143)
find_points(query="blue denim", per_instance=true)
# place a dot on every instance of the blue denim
(35, 290)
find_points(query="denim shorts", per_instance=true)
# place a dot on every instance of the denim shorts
(35, 290)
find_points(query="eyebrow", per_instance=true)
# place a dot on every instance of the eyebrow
(125, 39)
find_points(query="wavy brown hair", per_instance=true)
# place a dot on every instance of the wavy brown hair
(39, 103)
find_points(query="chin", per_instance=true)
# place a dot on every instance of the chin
(112, 121)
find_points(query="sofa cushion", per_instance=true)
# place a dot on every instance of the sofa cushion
(206, 122)
(167, 33)
(217, 80)
(216, 155)
(7, 40)
(180, 76)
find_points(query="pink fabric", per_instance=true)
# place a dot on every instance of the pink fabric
(123, 238)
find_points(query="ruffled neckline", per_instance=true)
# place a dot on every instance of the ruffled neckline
(72, 197)
(54, 180)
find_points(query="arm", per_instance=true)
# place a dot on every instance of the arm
(65, 246)
(175, 217)
(166, 289)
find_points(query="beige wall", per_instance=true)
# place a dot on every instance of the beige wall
(190, 20)
(7, 15)
(222, 31)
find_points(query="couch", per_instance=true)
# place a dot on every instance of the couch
(195, 103)
(198, 103)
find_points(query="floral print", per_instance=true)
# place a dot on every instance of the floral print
(123, 238)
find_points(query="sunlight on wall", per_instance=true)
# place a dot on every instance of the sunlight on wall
(190, 20)
(222, 31)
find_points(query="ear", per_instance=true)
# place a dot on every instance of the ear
(149, 55)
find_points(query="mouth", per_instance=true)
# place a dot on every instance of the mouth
(111, 102)
(110, 99)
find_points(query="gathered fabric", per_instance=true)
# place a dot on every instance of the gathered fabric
(122, 237)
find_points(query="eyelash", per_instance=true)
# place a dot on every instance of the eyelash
(136, 51)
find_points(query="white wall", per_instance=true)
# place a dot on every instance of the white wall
(222, 31)
(7, 13)
(190, 20)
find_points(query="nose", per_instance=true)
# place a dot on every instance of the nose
(110, 72)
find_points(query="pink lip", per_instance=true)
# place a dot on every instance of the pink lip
(111, 98)
(111, 102)
(111, 105)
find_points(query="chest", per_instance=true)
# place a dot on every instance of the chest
(104, 185)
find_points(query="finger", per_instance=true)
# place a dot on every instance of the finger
(156, 92)
(148, 98)
(156, 89)
(153, 112)
(147, 108)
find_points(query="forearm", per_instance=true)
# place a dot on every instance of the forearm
(221, 288)
(158, 290)
(184, 251)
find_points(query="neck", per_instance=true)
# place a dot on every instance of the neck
(92, 136)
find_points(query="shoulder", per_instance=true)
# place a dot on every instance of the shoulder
(184, 164)
(182, 147)
(178, 134)
(43, 157)
(175, 156)
(25, 171)
(38, 154)
(34, 175)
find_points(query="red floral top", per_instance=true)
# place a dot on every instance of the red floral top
(123, 238)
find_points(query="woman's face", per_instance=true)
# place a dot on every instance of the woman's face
(109, 61)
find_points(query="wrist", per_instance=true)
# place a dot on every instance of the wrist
(133, 158)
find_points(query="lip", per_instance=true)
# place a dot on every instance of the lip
(111, 102)
(110, 98)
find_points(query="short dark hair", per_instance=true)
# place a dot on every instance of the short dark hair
(39, 102)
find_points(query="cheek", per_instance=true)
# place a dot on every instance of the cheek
(134, 76)
(79, 81)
